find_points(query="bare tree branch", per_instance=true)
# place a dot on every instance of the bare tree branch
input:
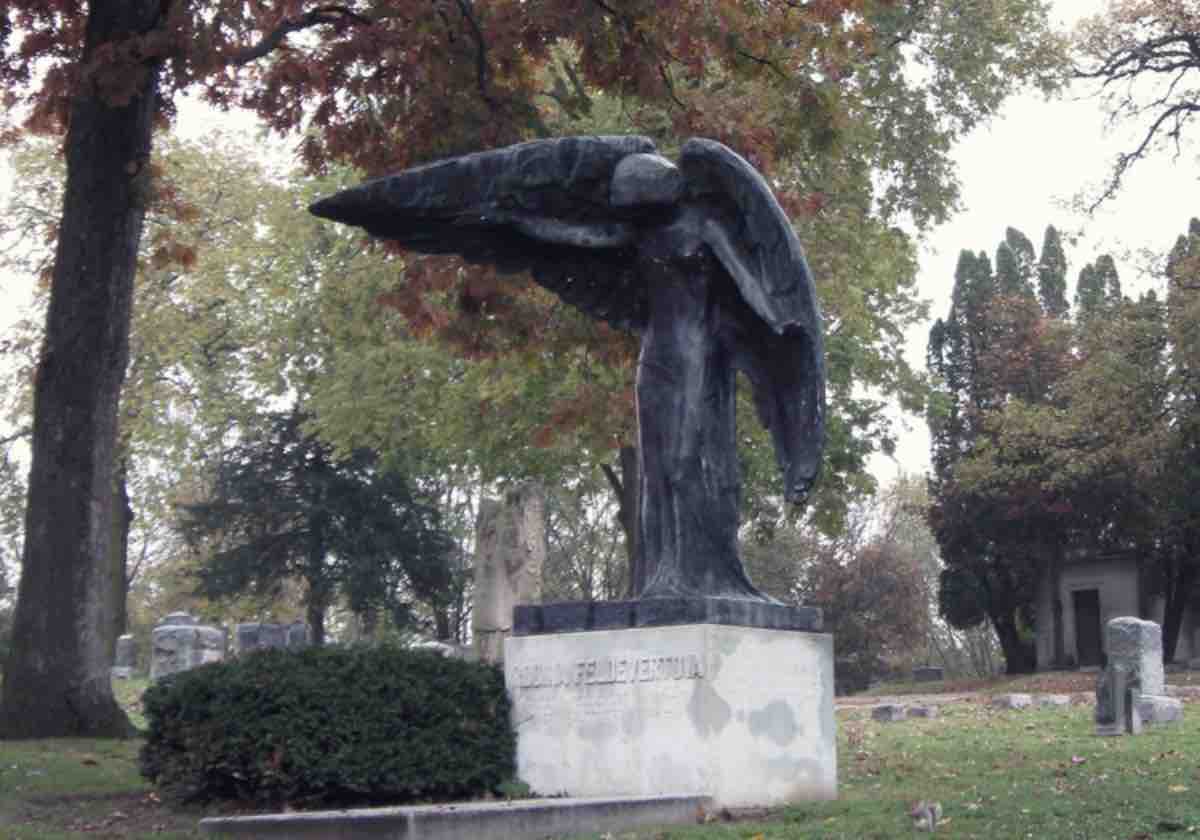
(320, 16)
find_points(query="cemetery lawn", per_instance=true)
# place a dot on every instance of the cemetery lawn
(997, 774)
(1034, 773)
(76, 787)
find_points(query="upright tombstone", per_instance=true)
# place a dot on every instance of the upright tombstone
(180, 643)
(510, 552)
(701, 684)
(254, 635)
(126, 657)
(1131, 689)
(297, 635)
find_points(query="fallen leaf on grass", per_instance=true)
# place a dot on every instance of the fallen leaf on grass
(1177, 789)
(1078, 759)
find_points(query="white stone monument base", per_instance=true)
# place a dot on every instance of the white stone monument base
(742, 714)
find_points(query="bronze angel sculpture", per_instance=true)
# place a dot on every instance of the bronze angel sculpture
(698, 257)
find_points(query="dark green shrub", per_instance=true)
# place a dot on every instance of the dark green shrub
(330, 727)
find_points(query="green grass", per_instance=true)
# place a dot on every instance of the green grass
(73, 787)
(997, 774)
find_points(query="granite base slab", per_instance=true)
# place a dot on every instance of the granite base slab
(743, 714)
(581, 616)
(525, 819)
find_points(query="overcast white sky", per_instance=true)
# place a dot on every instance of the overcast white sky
(1022, 169)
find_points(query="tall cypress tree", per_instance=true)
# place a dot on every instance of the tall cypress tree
(1052, 275)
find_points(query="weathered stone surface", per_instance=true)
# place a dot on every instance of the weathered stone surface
(297, 635)
(177, 619)
(121, 673)
(1155, 709)
(1137, 644)
(126, 656)
(927, 673)
(889, 712)
(522, 819)
(923, 711)
(253, 635)
(181, 647)
(1117, 692)
(510, 551)
(1053, 700)
(1012, 701)
(743, 714)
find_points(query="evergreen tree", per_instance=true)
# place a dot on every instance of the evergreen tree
(284, 506)
(1052, 275)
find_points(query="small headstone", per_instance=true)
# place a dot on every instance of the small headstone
(297, 635)
(1012, 701)
(1194, 664)
(180, 647)
(245, 637)
(126, 652)
(1131, 691)
(927, 673)
(272, 636)
(888, 712)
(923, 711)
(177, 619)
(1057, 700)
(1138, 645)
(126, 658)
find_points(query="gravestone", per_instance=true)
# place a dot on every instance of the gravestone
(1012, 701)
(510, 551)
(889, 712)
(297, 635)
(927, 673)
(126, 658)
(1131, 691)
(180, 643)
(254, 635)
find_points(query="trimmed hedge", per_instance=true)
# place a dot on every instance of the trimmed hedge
(329, 726)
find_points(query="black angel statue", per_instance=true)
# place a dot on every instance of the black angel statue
(699, 258)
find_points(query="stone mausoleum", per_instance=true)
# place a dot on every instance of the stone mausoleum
(1094, 590)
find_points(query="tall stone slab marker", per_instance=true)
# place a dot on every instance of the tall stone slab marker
(702, 685)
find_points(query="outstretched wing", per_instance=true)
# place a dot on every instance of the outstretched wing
(754, 240)
(542, 207)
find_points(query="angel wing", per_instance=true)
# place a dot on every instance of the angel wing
(569, 210)
(755, 242)
(542, 206)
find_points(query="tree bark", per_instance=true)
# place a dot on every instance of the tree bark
(57, 679)
(1179, 592)
(627, 487)
(1019, 656)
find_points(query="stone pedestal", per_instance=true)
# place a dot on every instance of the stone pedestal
(743, 714)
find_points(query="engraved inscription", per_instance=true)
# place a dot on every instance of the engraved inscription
(610, 669)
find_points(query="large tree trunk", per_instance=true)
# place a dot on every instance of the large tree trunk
(628, 486)
(1020, 657)
(57, 676)
(1179, 594)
